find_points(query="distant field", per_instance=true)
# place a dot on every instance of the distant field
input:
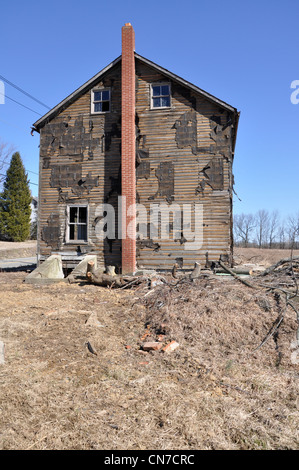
(18, 249)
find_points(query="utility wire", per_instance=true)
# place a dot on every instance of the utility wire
(22, 91)
(35, 184)
(28, 171)
(20, 104)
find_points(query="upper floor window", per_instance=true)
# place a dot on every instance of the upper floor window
(100, 101)
(160, 95)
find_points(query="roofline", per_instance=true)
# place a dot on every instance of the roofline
(73, 96)
(70, 98)
(187, 84)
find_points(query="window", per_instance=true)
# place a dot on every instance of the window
(100, 101)
(77, 223)
(160, 95)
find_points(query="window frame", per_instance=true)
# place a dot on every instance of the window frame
(151, 95)
(69, 223)
(92, 100)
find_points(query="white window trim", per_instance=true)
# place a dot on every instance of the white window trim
(92, 111)
(68, 240)
(151, 95)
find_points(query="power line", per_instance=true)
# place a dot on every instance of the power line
(28, 171)
(20, 104)
(22, 91)
(30, 182)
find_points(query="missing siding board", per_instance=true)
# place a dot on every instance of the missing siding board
(51, 233)
(165, 175)
(65, 176)
(186, 130)
(148, 244)
(143, 169)
(85, 184)
(69, 140)
(221, 134)
(213, 173)
(115, 185)
(115, 132)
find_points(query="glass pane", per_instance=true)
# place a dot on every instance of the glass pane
(73, 214)
(72, 232)
(105, 106)
(156, 102)
(82, 215)
(97, 96)
(165, 101)
(105, 95)
(82, 232)
(165, 90)
(156, 90)
(97, 107)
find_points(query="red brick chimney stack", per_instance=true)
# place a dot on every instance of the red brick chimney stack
(128, 157)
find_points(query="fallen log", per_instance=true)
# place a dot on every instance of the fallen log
(236, 276)
(280, 263)
(105, 280)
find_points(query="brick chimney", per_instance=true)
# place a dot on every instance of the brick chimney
(128, 179)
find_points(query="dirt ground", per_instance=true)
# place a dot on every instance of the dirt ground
(215, 391)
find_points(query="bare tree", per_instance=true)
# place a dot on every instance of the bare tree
(262, 227)
(293, 229)
(273, 227)
(282, 235)
(243, 227)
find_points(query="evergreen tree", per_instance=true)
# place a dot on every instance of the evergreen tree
(15, 200)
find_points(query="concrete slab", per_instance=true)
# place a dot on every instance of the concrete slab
(49, 270)
(80, 270)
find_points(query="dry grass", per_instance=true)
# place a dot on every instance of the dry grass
(213, 392)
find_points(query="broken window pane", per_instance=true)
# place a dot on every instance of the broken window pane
(82, 215)
(73, 214)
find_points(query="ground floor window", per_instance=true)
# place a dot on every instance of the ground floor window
(77, 223)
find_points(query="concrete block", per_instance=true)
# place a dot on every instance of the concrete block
(50, 269)
(80, 270)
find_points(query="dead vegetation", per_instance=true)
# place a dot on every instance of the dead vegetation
(77, 373)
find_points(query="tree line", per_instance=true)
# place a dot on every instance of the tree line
(266, 229)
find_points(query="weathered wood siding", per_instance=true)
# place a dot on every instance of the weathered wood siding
(191, 140)
(184, 156)
(86, 148)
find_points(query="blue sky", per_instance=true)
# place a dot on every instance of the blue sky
(245, 53)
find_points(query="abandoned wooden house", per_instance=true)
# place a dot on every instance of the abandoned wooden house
(136, 130)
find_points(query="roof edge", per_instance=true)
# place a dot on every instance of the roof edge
(184, 82)
(70, 98)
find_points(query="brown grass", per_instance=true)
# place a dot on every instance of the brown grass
(213, 392)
